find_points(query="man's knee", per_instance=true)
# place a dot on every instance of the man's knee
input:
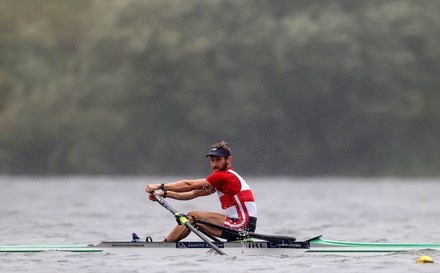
(192, 217)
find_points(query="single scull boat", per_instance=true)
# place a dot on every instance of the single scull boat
(313, 246)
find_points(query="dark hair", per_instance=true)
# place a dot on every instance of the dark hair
(222, 144)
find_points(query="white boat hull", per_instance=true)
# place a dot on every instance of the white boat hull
(315, 246)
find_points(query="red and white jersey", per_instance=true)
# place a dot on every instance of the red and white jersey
(235, 196)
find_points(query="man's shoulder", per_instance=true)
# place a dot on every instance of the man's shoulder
(228, 172)
(221, 176)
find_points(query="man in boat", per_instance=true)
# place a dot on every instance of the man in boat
(236, 198)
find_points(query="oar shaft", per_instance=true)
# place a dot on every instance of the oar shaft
(184, 221)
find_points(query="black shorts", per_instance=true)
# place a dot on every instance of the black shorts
(251, 226)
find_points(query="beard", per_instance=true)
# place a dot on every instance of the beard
(223, 167)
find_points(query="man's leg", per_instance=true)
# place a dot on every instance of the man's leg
(180, 231)
(177, 234)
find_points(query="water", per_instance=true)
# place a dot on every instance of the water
(82, 210)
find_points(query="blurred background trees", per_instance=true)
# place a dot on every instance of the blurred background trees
(307, 88)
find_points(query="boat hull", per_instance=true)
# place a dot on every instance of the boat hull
(232, 248)
(315, 246)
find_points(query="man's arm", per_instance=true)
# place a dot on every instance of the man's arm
(184, 189)
(189, 195)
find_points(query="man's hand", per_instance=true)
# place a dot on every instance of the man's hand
(150, 188)
(152, 197)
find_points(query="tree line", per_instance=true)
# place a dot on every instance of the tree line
(306, 88)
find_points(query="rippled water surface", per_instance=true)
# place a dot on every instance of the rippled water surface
(83, 210)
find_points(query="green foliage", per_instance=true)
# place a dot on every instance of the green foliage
(144, 87)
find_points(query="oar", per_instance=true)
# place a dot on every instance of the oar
(181, 218)
(243, 233)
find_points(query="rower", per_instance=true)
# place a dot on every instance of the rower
(235, 195)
